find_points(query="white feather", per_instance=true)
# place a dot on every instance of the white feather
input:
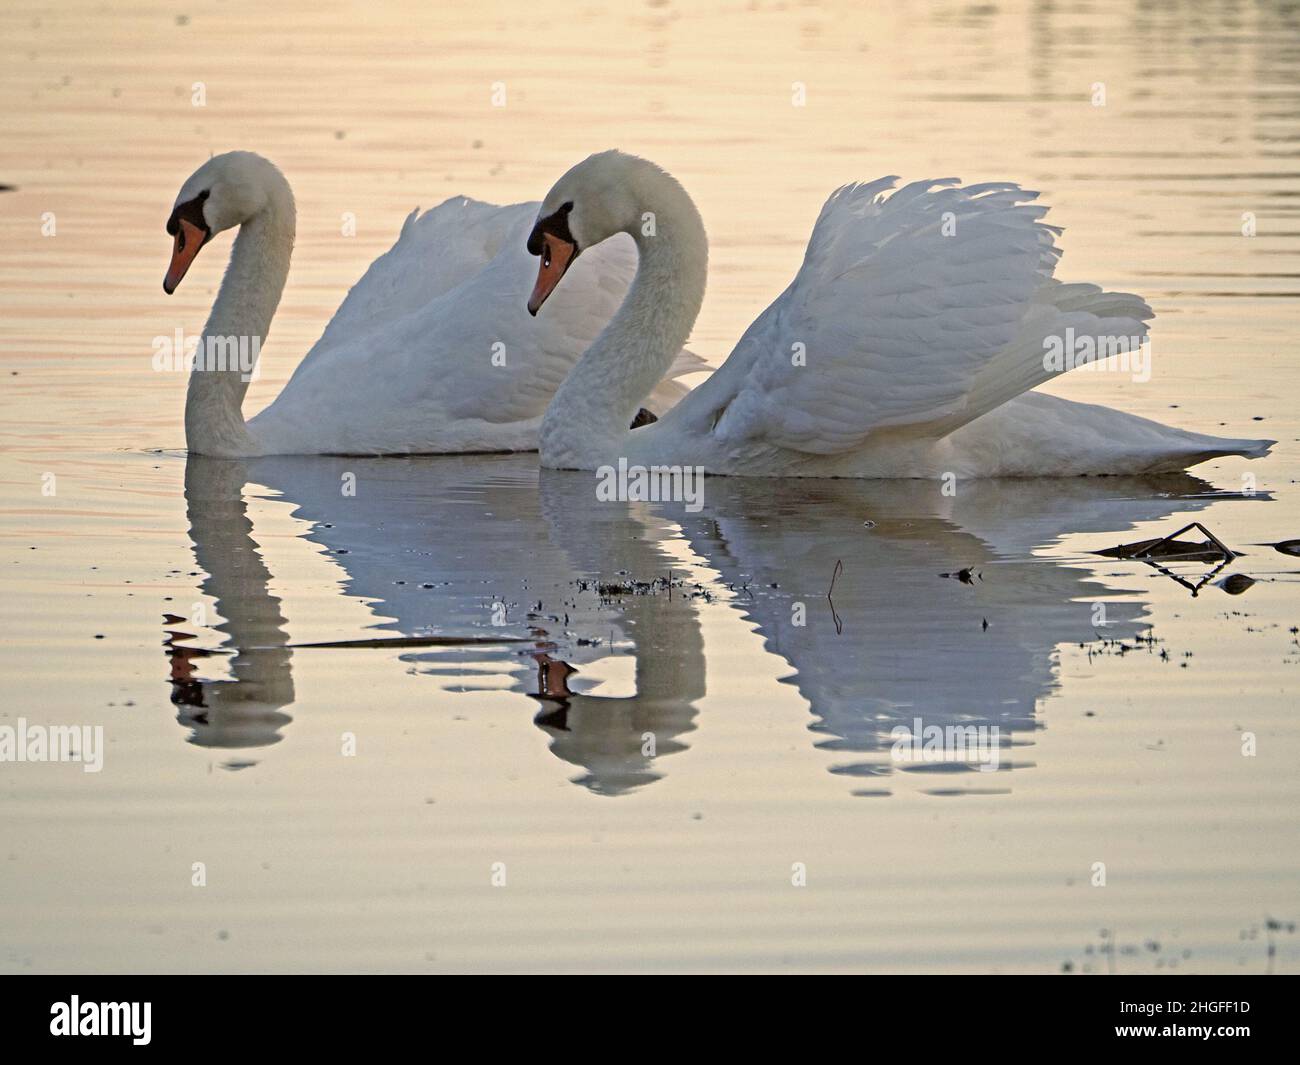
(904, 347)
(432, 350)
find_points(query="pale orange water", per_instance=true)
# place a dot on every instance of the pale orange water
(770, 755)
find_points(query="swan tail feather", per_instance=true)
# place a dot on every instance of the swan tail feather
(1037, 432)
(1068, 326)
(1081, 326)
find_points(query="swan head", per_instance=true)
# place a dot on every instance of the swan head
(225, 192)
(603, 195)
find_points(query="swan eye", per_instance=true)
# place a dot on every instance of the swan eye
(546, 254)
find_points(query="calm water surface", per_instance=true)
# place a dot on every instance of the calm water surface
(171, 601)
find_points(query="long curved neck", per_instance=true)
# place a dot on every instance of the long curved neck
(588, 418)
(235, 331)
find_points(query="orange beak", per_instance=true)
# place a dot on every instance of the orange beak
(557, 255)
(189, 239)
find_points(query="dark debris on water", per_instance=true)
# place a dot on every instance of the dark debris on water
(627, 587)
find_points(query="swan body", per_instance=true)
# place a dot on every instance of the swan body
(906, 346)
(430, 352)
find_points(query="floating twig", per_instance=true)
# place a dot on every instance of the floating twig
(839, 568)
(413, 641)
(1171, 549)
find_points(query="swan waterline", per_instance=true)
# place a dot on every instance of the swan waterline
(907, 345)
(431, 352)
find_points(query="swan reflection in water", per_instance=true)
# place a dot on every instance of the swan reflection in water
(896, 604)
(487, 545)
(454, 546)
(245, 710)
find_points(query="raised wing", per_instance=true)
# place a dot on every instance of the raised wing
(464, 369)
(900, 303)
(434, 253)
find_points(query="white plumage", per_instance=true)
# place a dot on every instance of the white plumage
(904, 347)
(430, 352)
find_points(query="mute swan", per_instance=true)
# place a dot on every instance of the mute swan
(430, 351)
(904, 347)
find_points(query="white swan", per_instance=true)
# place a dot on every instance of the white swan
(430, 351)
(905, 346)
